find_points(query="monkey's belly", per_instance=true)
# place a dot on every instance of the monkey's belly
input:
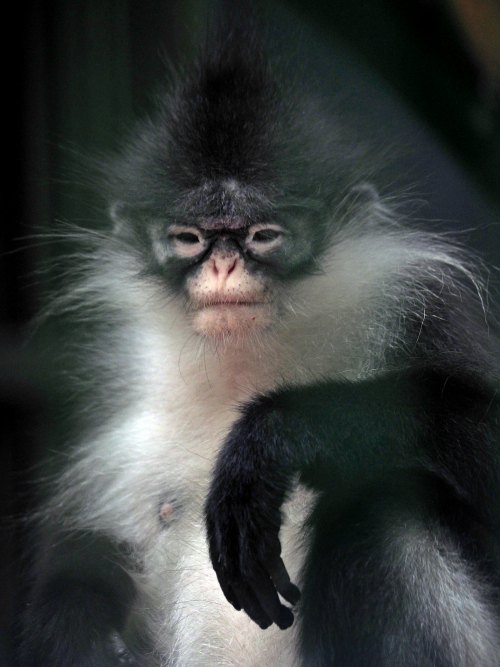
(190, 621)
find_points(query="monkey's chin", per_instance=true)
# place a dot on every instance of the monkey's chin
(227, 320)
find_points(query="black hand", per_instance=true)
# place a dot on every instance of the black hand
(243, 522)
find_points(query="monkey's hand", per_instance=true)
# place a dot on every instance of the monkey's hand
(243, 517)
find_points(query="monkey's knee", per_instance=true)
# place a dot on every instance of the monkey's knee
(395, 594)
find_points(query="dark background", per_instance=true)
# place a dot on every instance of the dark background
(79, 72)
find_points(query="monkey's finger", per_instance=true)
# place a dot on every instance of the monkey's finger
(251, 606)
(281, 580)
(268, 599)
(228, 591)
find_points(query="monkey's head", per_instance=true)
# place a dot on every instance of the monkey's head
(228, 191)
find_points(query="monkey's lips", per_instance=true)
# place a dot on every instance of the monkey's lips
(228, 300)
(232, 304)
(226, 317)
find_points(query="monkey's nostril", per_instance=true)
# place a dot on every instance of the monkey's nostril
(222, 267)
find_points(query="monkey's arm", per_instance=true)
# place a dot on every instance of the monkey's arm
(339, 435)
(78, 605)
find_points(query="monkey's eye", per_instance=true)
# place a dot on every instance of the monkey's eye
(186, 242)
(186, 237)
(266, 235)
(263, 238)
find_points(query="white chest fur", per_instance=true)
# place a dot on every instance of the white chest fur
(144, 477)
(192, 623)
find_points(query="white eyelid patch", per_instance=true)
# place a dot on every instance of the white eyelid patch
(186, 241)
(257, 241)
(165, 245)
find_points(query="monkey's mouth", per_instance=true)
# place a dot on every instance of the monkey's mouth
(232, 304)
(228, 302)
(227, 317)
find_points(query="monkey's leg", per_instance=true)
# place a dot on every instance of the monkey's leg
(78, 606)
(387, 584)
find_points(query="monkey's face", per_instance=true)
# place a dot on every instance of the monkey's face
(227, 272)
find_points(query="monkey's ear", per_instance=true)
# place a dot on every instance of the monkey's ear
(364, 200)
(366, 192)
(118, 215)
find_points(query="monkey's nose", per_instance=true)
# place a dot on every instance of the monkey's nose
(223, 266)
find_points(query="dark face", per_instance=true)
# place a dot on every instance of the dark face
(231, 273)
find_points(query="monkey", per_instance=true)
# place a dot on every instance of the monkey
(290, 453)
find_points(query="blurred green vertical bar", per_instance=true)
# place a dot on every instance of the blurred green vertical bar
(192, 20)
(90, 92)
